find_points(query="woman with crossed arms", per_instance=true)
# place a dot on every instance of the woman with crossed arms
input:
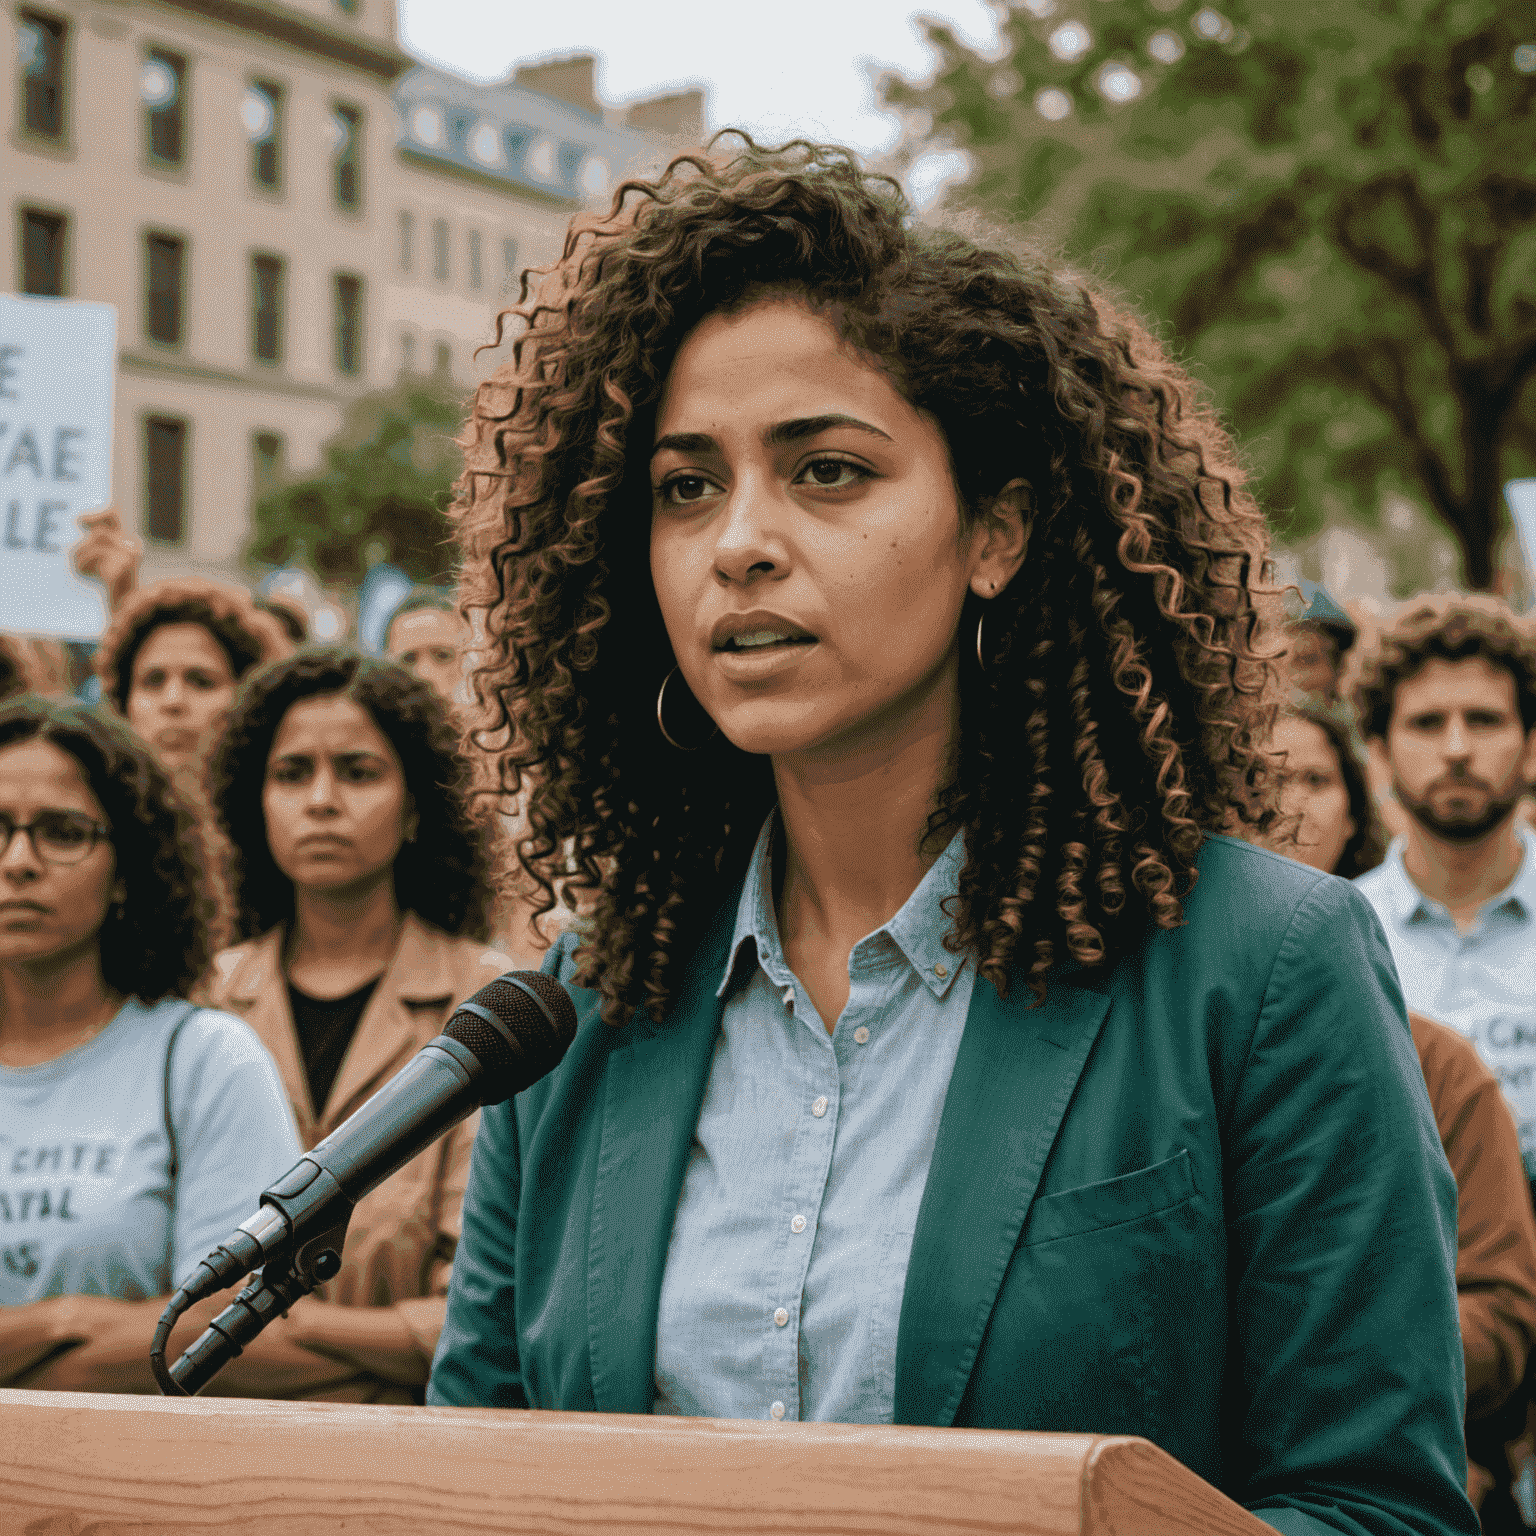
(874, 613)
(136, 1130)
(361, 886)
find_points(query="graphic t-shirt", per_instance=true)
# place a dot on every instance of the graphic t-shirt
(86, 1204)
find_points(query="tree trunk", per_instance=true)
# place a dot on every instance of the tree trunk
(1482, 518)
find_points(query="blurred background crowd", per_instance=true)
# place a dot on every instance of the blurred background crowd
(308, 232)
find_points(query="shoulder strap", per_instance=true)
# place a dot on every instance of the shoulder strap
(173, 1157)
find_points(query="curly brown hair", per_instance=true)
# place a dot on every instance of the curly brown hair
(1444, 626)
(442, 874)
(155, 942)
(1122, 709)
(246, 635)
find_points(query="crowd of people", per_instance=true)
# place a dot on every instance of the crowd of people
(1130, 948)
(1429, 724)
(248, 886)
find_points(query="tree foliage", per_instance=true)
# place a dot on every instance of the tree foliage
(1328, 205)
(387, 477)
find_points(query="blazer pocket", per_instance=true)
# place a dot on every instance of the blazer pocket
(1111, 1202)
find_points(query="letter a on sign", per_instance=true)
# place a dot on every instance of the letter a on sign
(57, 361)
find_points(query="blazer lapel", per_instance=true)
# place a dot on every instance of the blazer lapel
(390, 1030)
(257, 992)
(1014, 1075)
(653, 1090)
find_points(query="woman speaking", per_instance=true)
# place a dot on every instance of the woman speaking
(871, 616)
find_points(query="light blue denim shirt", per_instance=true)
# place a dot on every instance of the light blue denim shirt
(788, 1257)
(1481, 982)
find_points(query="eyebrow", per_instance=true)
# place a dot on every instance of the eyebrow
(335, 757)
(794, 431)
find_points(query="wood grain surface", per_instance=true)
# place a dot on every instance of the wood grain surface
(74, 1464)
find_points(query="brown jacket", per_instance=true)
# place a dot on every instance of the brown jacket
(401, 1238)
(1495, 1231)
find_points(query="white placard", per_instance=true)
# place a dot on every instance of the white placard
(1520, 498)
(57, 361)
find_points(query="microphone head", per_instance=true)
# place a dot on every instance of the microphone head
(519, 1027)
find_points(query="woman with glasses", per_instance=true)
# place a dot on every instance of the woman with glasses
(136, 1131)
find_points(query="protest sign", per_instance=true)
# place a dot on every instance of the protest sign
(1520, 497)
(57, 360)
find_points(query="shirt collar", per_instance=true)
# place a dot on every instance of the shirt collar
(1522, 889)
(917, 930)
(1410, 904)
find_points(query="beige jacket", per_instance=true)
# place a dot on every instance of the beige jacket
(401, 1238)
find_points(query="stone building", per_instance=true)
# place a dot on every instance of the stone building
(287, 211)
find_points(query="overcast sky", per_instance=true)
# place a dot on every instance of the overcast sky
(798, 65)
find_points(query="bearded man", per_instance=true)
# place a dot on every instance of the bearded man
(1447, 700)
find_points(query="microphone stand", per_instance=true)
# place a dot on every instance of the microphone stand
(269, 1293)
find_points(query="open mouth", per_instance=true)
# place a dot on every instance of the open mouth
(765, 641)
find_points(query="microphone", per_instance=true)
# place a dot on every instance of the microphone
(501, 1041)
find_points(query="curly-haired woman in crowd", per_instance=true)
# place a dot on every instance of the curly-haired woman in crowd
(172, 657)
(875, 612)
(136, 1131)
(360, 883)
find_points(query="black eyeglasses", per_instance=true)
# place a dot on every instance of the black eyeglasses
(58, 837)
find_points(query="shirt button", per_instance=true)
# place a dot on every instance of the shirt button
(861, 1035)
(941, 971)
(819, 1108)
(781, 1316)
(777, 1411)
(798, 1224)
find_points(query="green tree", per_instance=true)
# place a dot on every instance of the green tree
(387, 477)
(1329, 205)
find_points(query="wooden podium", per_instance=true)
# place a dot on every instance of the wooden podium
(72, 1463)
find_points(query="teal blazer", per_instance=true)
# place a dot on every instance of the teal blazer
(1200, 1198)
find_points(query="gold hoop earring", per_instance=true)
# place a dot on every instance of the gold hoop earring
(980, 659)
(661, 725)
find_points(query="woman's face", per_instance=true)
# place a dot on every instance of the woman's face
(1312, 787)
(52, 903)
(180, 691)
(806, 541)
(334, 798)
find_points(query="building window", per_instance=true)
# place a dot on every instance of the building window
(407, 241)
(262, 114)
(347, 167)
(164, 279)
(509, 283)
(43, 253)
(40, 54)
(442, 359)
(407, 352)
(349, 324)
(162, 89)
(476, 271)
(165, 478)
(267, 453)
(440, 250)
(267, 308)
